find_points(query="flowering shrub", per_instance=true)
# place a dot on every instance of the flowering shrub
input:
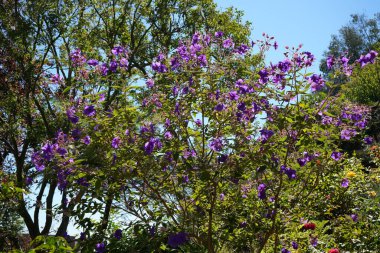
(217, 151)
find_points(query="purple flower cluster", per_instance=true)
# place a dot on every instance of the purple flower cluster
(330, 62)
(153, 143)
(346, 134)
(70, 112)
(116, 142)
(316, 82)
(261, 189)
(89, 110)
(288, 171)
(336, 155)
(77, 57)
(302, 161)
(56, 78)
(100, 247)
(265, 135)
(368, 140)
(216, 144)
(118, 234)
(368, 58)
(93, 62)
(176, 240)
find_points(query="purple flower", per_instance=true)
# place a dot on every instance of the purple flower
(336, 155)
(368, 140)
(216, 144)
(261, 191)
(89, 110)
(316, 82)
(92, 62)
(233, 95)
(284, 250)
(228, 43)
(345, 182)
(77, 58)
(149, 83)
(309, 58)
(285, 65)
(314, 241)
(195, 38)
(100, 247)
(243, 224)
(61, 151)
(222, 158)
(168, 135)
(103, 69)
(219, 107)
(241, 106)
(219, 34)
(327, 120)
(70, 112)
(368, 58)
(116, 142)
(76, 134)
(202, 60)
(178, 239)
(152, 230)
(83, 182)
(289, 172)
(275, 45)
(207, 39)
(175, 63)
(264, 76)
(354, 217)
(167, 123)
(159, 67)
(189, 153)
(221, 197)
(242, 49)
(123, 62)
(113, 66)
(56, 78)
(117, 50)
(265, 135)
(330, 62)
(361, 124)
(346, 134)
(118, 234)
(151, 144)
(102, 97)
(87, 140)
(82, 236)
(302, 161)
(344, 60)
(28, 180)
(48, 151)
(294, 245)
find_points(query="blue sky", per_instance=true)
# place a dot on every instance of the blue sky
(292, 22)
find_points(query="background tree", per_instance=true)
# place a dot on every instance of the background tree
(356, 38)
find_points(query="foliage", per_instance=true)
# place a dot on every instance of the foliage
(214, 135)
(216, 152)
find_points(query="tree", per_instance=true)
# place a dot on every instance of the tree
(354, 39)
(39, 40)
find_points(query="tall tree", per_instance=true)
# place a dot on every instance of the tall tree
(38, 41)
